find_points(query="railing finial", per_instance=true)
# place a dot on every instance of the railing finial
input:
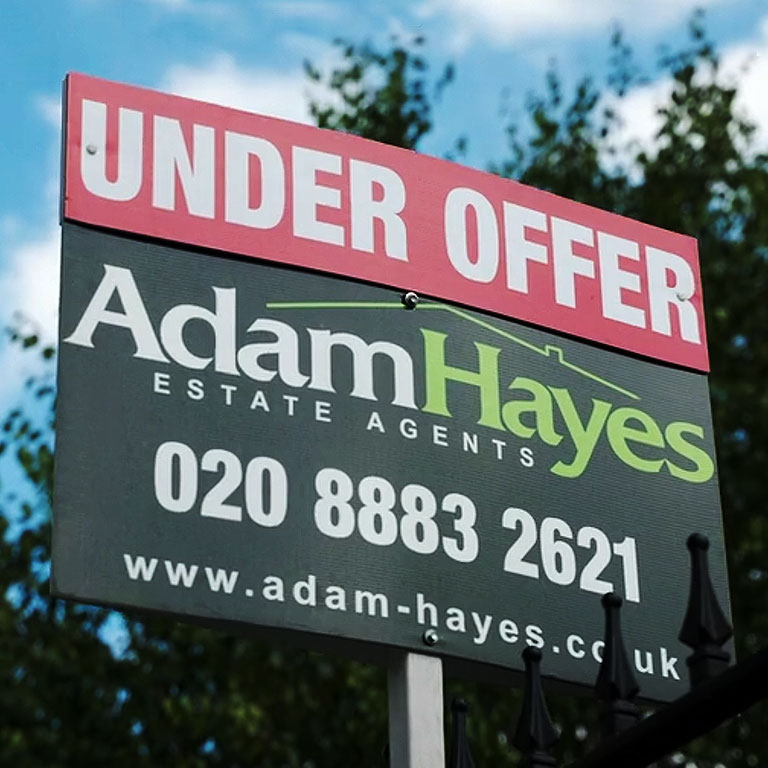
(616, 684)
(535, 733)
(705, 627)
(460, 755)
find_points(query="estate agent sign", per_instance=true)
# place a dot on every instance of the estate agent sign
(253, 427)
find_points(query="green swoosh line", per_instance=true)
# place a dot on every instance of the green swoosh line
(548, 351)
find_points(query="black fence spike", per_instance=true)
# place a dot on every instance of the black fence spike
(705, 628)
(460, 756)
(616, 684)
(535, 733)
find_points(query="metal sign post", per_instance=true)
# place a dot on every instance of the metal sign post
(416, 711)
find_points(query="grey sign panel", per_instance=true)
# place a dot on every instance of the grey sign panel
(259, 445)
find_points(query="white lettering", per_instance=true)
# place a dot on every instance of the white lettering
(171, 160)
(534, 636)
(139, 568)
(221, 320)
(668, 668)
(519, 250)
(239, 149)
(180, 573)
(457, 204)
(613, 279)
(664, 296)
(455, 620)
(308, 194)
(424, 609)
(469, 442)
(162, 383)
(363, 180)
(647, 668)
(273, 589)
(228, 389)
(305, 592)
(482, 627)
(335, 598)
(567, 263)
(195, 389)
(290, 401)
(134, 317)
(363, 355)
(374, 422)
(440, 435)
(221, 579)
(259, 400)
(93, 164)
(571, 643)
(508, 631)
(285, 347)
(371, 603)
(323, 411)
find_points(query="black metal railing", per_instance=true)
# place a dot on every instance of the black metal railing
(717, 692)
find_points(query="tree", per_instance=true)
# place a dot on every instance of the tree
(708, 179)
(380, 96)
(164, 693)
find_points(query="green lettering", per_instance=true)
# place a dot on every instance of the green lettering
(704, 466)
(541, 406)
(620, 433)
(584, 438)
(438, 374)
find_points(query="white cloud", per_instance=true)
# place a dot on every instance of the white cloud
(30, 283)
(209, 8)
(29, 254)
(747, 65)
(222, 81)
(639, 118)
(507, 21)
(49, 108)
(744, 65)
(321, 10)
(10, 226)
(302, 46)
(29, 297)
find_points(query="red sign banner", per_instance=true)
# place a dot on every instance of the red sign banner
(158, 165)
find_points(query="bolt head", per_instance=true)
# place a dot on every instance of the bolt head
(91, 149)
(410, 300)
(532, 654)
(698, 541)
(430, 637)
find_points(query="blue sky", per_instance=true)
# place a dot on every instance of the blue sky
(249, 53)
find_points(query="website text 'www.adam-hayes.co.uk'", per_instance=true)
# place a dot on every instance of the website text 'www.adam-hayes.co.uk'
(311, 593)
